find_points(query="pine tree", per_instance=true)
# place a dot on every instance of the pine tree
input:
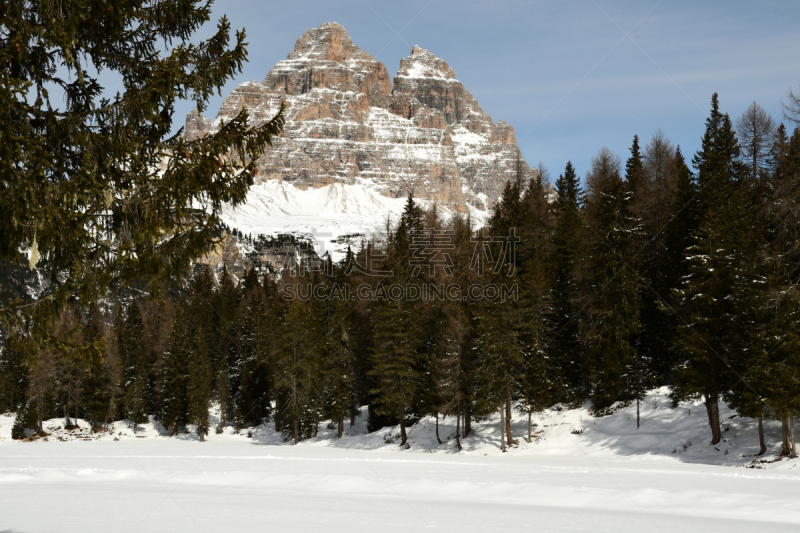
(131, 346)
(97, 386)
(251, 374)
(339, 356)
(395, 357)
(542, 383)
(13, 372)
(498, 341)
(775, 375)
(226, 304)
(679, 233)
(201, 352)
(398, 334)
(199, 391)
(175, 374)
(612, 319)
(567, 236)
(297, 368)
(713, 304)
(101, 187)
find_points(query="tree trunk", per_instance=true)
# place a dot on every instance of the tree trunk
(502, 428)
(403, 436)
(785, 448)
(791, 426)
(437, 429)
(458, 425)
(352, 417)
(508, 420)
(340, 429)
(467, 420)
(296, 430)
(637, 413)
(530, 437)
(712, 408)
(761, 442)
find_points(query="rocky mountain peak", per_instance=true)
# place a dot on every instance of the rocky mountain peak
(326, 58)
(346, 124)
(423, 64)
(329, 42)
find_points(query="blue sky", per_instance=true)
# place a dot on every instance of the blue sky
(571, 76)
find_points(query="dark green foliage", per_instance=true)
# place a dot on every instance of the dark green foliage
(95, 183)
(566, 243)
(13, 373)
(657, 278)
(136, 365)
(227, 301)
(716, 298)
(339, 373)
(297, 370)
(611, 321)
(542, 383)
(175, 378)
(252, 373)
(678, 235)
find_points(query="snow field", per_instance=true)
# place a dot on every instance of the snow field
(607, 477)
(325, 214)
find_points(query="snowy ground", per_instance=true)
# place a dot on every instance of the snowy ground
(608, 477)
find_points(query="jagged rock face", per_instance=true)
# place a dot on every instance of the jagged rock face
(345, 124)
(266, 255)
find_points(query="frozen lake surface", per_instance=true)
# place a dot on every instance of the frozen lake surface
(579, 473)
(174, 485)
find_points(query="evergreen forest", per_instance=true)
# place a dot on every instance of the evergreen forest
(650, 270)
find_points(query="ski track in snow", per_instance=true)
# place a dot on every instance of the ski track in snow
(609, 477)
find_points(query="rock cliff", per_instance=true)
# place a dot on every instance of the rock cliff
(347, 123)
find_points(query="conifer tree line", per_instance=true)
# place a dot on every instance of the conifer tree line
(660, 271)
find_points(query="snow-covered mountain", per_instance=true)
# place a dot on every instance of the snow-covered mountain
(332, 216)
(347, 124)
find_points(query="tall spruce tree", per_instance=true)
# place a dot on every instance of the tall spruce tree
(542, 383)
(567, 236)
(684, 205)
(712, 298)
(612, 319)
(251, 374)
(339, 355)
(398, 342)
(227, 302)
(175, 374)
(131, 346)
(498, 338)
(297, 368)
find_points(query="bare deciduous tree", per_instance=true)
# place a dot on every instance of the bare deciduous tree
(606, 163)
(791, 108)
(756, 132)
(659, 165)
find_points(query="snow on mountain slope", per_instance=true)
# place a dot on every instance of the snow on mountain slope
(333, 216)
(346, 123)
